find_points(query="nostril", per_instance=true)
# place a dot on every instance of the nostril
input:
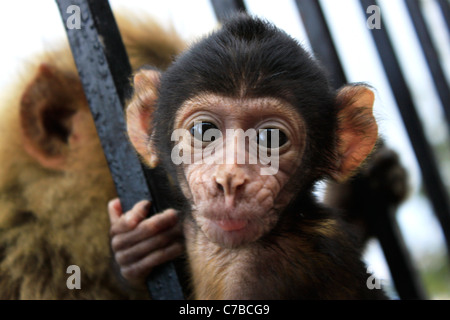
(230, 181)
(220, 187)
(239, 187)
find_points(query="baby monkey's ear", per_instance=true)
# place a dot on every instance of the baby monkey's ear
(139, 114)
(358, 129)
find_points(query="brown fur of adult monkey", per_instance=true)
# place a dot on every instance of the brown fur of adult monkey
(54, 180)
(249, 235)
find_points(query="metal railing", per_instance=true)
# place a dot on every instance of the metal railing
(105, 71)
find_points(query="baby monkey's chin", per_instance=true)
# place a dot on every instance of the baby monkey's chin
(230, 233)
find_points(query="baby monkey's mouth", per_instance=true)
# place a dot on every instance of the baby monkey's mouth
(230, 233)
(231, 225)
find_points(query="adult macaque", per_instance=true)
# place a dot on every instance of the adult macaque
(253, 229)
(54, 180)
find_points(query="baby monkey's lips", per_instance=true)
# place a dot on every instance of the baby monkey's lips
(231, 225)
(230, 233)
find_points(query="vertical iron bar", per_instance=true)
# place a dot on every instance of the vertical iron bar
(104, 71)
(321, 41)
(431, 56)
(430, 174)
(381, 220)
(445, 9)
(406, 280)
(226, 8)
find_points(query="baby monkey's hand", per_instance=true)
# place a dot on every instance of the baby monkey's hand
(140, 244)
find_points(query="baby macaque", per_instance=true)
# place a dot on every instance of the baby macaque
(245, 123)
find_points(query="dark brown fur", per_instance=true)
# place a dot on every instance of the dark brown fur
(300, 260)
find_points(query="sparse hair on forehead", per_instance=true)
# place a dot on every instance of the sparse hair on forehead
(246, 57)
(251, 58)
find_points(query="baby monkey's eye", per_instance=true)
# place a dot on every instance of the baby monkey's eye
(266, 138)
(199, 129)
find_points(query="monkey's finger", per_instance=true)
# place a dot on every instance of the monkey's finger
(134, 253)
(147, 229)
(141, 269)
(159, 222)
(131, 218)
(114, 210)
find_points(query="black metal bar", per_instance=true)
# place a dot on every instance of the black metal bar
(321, 40)
(445, 9)
(405, 276)
(381, 220)
(226, 8)
(430, 174)
(431, 56)
(104, 71)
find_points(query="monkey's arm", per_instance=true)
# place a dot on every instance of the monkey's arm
(141, 244)
(383, 176)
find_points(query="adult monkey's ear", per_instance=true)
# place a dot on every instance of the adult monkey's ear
(48, 109)
(139, 114)
(357, 131)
